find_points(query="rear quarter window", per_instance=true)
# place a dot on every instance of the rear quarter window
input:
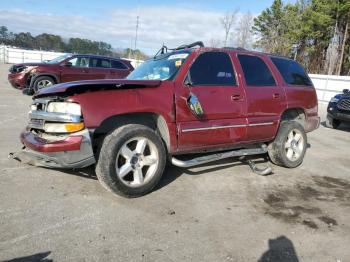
(292, 72)
(118, 65)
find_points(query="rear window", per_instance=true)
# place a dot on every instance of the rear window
(256, 72)
(292, 72)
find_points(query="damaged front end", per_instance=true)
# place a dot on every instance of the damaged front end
(56, 136)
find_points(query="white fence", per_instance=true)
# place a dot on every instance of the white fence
(10, 55)
(14, 55)
(328, 86)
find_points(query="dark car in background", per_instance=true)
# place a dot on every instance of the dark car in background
(67, 68)
(338, 110)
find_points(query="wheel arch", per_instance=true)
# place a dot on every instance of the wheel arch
(35, 77)
(152, 120)
(296, 114)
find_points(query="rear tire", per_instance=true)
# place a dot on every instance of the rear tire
(131, 161)
(289, 147)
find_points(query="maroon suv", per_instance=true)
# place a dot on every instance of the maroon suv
(192, 100)
(66, 68)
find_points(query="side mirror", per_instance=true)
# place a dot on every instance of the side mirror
(346, 91)
(67, 64)
(194, 105)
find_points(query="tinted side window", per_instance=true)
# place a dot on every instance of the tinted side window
(93, 62)
(213, 68)
(256, 72)
(79, 62)
(105, 63)
(292, 72)
(118, 65)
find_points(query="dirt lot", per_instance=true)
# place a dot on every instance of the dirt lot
(217, 212)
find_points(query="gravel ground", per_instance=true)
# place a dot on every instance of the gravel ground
(216, 212)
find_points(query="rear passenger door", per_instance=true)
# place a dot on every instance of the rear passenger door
(266, 98)
(100, 68)
(213, 81)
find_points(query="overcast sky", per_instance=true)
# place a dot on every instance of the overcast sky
(112, 21)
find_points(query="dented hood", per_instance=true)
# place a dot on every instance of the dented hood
(95, 85)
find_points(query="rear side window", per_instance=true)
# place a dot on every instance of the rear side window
(256, 72)
(118, 65)
(213, 68)
(105, 63)
(292, 72)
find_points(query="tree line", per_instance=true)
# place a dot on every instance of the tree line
(56, 43)
(313, 32)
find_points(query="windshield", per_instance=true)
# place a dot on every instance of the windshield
(159, 69)
(58, 59)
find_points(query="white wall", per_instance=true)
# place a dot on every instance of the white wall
(328, 86)
(15, 55)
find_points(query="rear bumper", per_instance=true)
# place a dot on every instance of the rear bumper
(312, 123)
(74, 151)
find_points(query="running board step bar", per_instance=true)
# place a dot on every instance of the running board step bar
(214, 157)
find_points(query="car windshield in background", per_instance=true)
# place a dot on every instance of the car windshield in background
(159, 68)
(58, 59)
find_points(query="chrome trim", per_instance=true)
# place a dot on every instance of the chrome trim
(262, 124)
(210, 128)
(54, 117)
(221, 127)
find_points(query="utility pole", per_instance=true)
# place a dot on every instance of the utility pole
(137, 29)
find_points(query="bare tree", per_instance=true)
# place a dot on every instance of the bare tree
(227, 22)
(243, 36)
(214, 43)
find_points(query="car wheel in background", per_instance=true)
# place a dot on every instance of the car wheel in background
(43, 82)
(332, 123)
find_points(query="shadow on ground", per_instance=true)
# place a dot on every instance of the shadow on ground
(280, 249)
(40, 257)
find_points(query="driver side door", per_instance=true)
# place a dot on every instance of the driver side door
(213, 80)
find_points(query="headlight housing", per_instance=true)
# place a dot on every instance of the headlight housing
(63, 127)
(334, 100)
(64, 107)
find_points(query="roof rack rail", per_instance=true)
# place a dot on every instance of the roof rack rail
(164, 49)
(234, 48)
(198, 43)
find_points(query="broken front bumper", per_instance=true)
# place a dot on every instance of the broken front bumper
(73, 151)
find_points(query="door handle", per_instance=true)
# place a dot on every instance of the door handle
(236, 98)
(276, 96)
(85, 71)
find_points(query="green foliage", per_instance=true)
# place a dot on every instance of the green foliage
(50, 42)
(305, 30)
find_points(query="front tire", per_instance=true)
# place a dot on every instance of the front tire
(42, 82)
(131, 160)
(332, 123)
(289, 147)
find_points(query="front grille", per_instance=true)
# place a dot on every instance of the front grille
(344, 104)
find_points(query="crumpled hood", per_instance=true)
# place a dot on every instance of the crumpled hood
(30, 64)
(94, 85)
